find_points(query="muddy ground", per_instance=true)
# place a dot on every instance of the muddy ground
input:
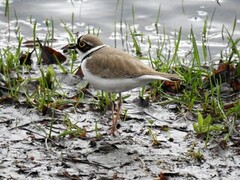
(26, 152)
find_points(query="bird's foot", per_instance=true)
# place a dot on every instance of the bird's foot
(114, 130)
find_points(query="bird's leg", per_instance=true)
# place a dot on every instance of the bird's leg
(114, 120)
(113, 129)
(119, 108)
(112, 105)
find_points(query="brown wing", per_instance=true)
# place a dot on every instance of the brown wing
(112, 63)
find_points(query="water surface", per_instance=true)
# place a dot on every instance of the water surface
(82, 16)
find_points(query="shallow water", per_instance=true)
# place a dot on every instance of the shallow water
(26, 152)
(103, 15)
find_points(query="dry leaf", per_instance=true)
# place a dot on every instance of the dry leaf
(50, 56)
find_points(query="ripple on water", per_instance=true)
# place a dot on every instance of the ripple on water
(121, 25)
(116, 36)
(152, 27)
(196, 19)
(202, 13)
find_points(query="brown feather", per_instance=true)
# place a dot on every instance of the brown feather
(109, 62)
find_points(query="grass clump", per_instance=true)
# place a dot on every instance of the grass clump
(202, 90)
(72, 130)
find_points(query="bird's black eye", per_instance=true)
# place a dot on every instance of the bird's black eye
(81, 44)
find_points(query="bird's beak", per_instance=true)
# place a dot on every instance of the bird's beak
(67, 48)
(72, 46)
